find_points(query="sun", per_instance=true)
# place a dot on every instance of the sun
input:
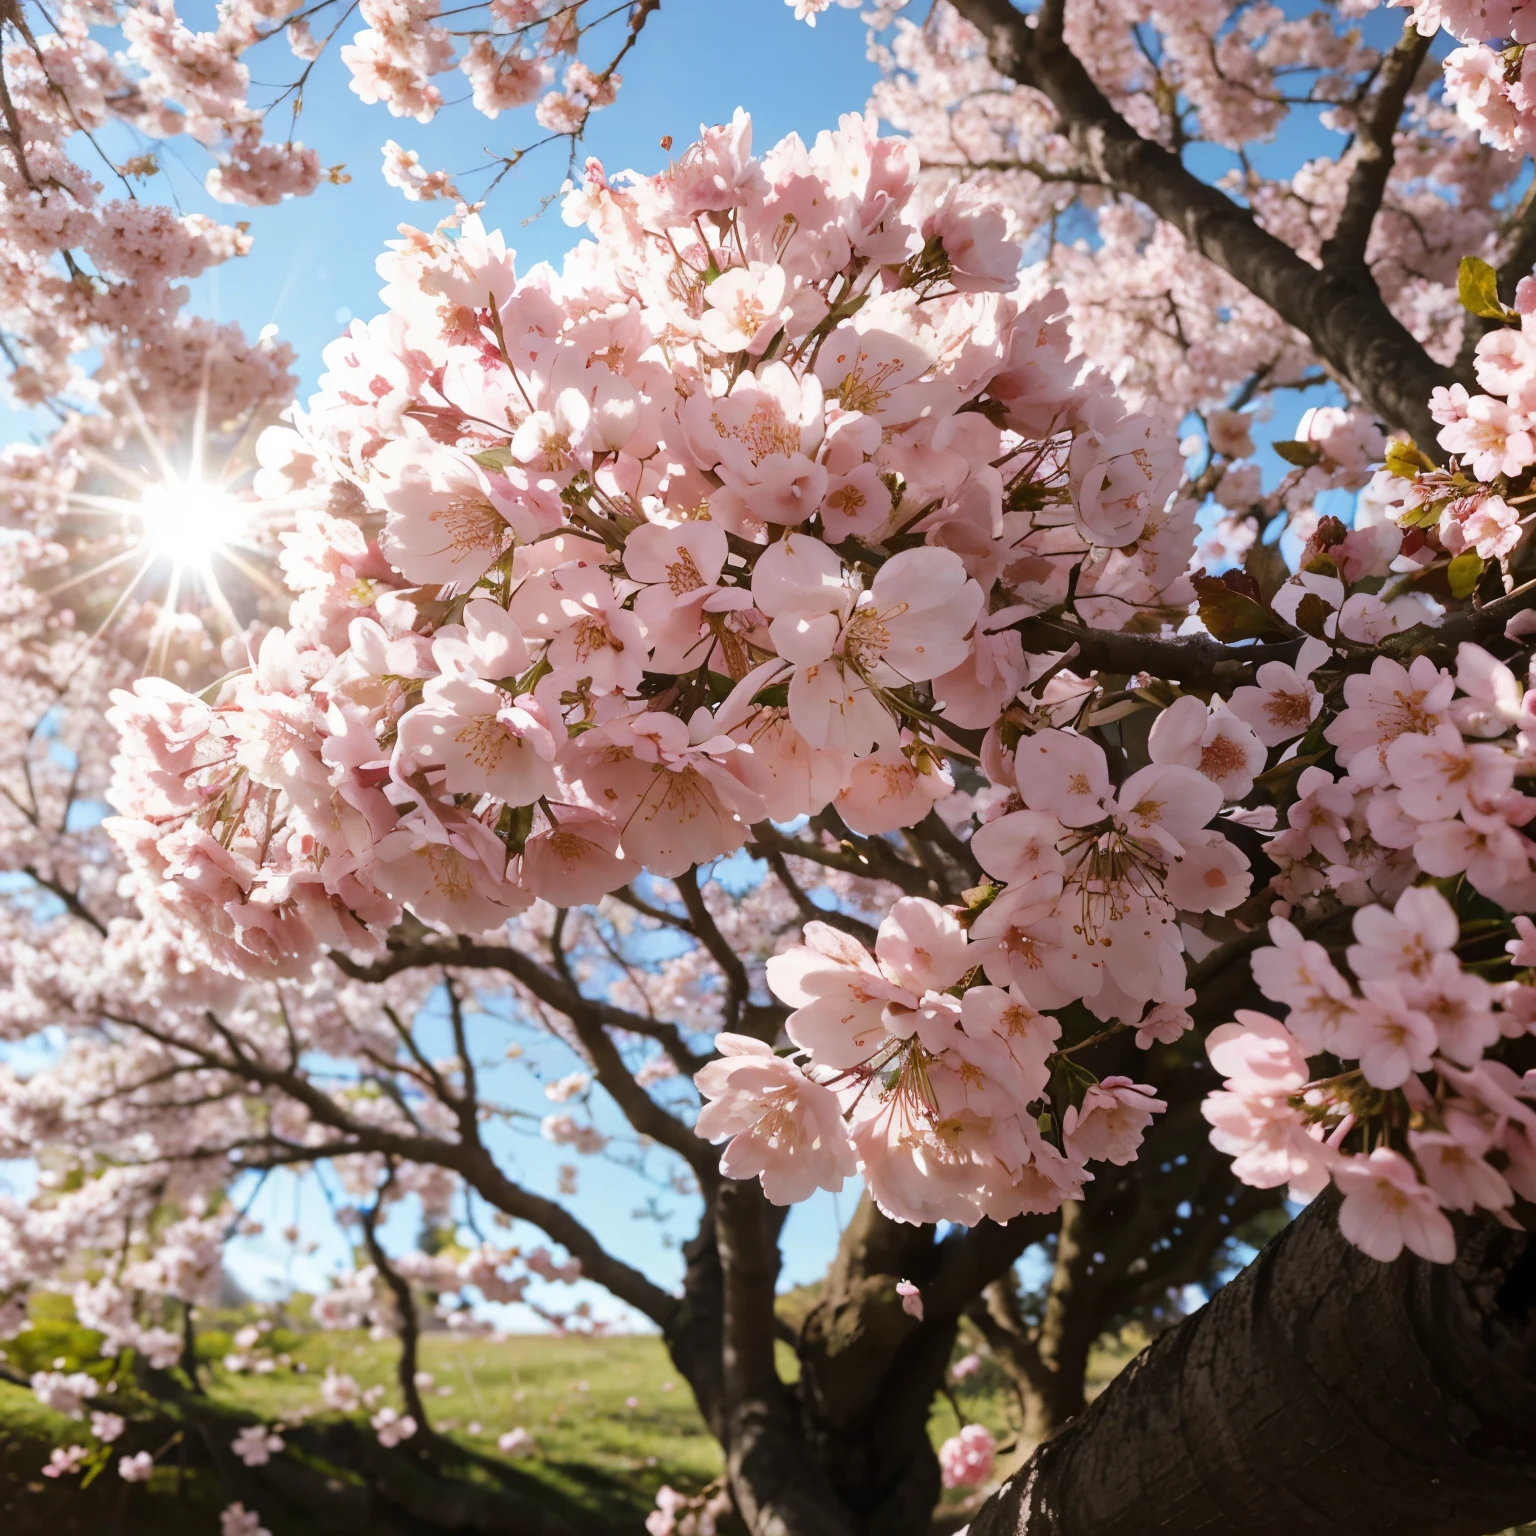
(189, 521)
(183, 536)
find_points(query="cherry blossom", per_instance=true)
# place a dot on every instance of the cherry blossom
(65, 1460)
(966, 1459)
(1283, 702)
(256, 1445)
(785, 1128)
(1387, 1209)
(237, 1520)
(392, 1427)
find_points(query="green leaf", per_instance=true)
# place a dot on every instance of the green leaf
(1425, 516)
(1405, 461)
(1267, 566)
(1302, 455)
(1466, 570)
(514, 825)
(1477, 286)
(1279, 782)
(1069, 1084)
(494, 458)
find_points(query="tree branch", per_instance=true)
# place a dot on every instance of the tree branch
(1321, 1393)
(772, 1471)
(970, 1262)
(1344, 250)
(71, 899)
(470, 1159)
(909, 877)
(1519, 259)
(1351, 328)
(1521, 255)
(559, 994)
(738, 988)
(636, 1105)
(405, 1304)
(1201, 662)
(862, 931)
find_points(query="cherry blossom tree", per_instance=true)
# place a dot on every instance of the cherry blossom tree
(1097, 902)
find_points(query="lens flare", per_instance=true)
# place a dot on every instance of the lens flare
(189, 521)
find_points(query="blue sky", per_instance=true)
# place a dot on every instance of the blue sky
(313, 264)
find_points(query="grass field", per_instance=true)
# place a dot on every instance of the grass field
(610, 1419)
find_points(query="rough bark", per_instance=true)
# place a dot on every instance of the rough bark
(1320, 1392)
(779, 1490)
(845, 1451)
(1343, 316)
(869, 1371)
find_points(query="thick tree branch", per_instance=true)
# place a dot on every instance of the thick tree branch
(971, 1261)
(1520, 256)
(771, 1470)
(1201, 662)
(934, 831)
(1347, 323)
(1321, 1393)
(1344, 250)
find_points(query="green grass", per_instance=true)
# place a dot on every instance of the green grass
(611, 1420)
(598, 1460)
(569, 1394)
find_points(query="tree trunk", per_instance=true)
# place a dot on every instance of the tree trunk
(1320, 1392)
(868, 1374)
(845, 1451)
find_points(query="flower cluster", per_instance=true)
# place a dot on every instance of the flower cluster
(734, 519)
(1486, 83)
(921, 1072)
(965, 1460)
(1474, 509)
(1422, 1119)
(1429, 763)
(512, 60)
